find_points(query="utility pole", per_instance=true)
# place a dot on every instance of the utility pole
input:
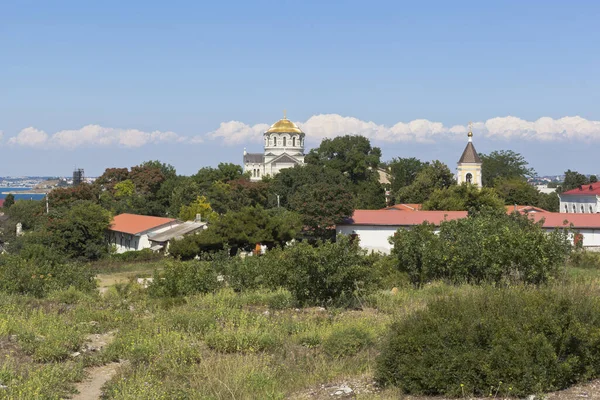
(277, 201)
(47, 205)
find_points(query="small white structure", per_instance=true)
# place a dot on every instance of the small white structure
(583, 199)
(130, 232)
(284, 148)
(469, 165)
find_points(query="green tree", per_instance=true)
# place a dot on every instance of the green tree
(352, 155)
(504, 164)
(28, 212)
(111, 177)
(593, 179)
(549, 202)
(464, 197)
(124, 189)
(200, 206)
(322, 206)
(517, 191)
(147, 179)
(9, 200)
(224, 172)
(434, 176)
(403, 171)
(573, 179)
(80, 231)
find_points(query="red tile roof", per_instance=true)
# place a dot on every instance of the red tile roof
(393, 218)
(586, 190)
(556, 220)
(135, 224)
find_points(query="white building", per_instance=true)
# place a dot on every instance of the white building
(283, 148)
(469, 165)
(130, 232)
(583, 199)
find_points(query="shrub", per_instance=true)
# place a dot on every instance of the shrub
(518, 341)
(37, 278)
(141, 255)
(585, 259)
(184, 278)
(347, 341)
(482, 248)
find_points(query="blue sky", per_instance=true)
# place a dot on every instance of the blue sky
(113, 83)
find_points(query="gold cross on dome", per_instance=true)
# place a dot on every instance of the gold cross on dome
(470, 126)
(284, 114)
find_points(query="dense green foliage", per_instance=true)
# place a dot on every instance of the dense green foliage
(464, 197)
(9, 200)
(329, 273)
(38, 273)
(504, 164)
(435, 175)
(486, 247)
(507, 342)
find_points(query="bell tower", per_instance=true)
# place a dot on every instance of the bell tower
(469, 165)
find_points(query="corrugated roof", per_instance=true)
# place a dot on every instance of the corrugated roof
(470, 155)
(585, 190)
(254, 158)
(135, 224)
(176, 232)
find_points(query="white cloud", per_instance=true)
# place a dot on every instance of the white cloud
(95, 136)
(235, 132)
(323, 126)
(30, 137)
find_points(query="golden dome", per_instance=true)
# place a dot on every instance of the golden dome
(284, 125)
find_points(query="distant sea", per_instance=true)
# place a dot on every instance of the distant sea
(24, 196)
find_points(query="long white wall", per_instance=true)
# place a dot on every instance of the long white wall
(376, 238)
(127, 242)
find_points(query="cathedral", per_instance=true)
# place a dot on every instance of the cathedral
(469, 165)
(284, 148)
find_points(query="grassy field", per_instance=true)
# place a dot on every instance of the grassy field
(226, 345)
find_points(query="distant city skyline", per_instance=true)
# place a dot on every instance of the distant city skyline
(192, 84)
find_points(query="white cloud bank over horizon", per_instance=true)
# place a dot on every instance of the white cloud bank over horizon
(322, 126)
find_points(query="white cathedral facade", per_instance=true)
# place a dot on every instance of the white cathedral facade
(284, 148)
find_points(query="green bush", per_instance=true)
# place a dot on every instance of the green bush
(180, 278)
(38, 278)
(482, 248)
(585, 259)
(517, 341)
(141, 255)
(347, 341)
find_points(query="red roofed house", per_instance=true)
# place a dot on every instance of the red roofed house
(375, 227)
(582, 199)
(130, 232)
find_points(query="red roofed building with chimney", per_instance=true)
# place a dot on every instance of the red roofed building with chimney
(582, 199)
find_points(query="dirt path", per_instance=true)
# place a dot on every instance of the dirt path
(91, 387)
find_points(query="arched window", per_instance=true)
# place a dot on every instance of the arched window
(266, 142)
(469, 177)
(574, 208)
(294, 141)
(591, 210)
(566, 208)
(582, 209)
(284, 142)
(274, 141)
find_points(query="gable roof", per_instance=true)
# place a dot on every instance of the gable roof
(135, 224)
(470, 155)
(591, 189)
(524, 209)
(177, 232)
(394, 218)
(254, 158)
(285, 158)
